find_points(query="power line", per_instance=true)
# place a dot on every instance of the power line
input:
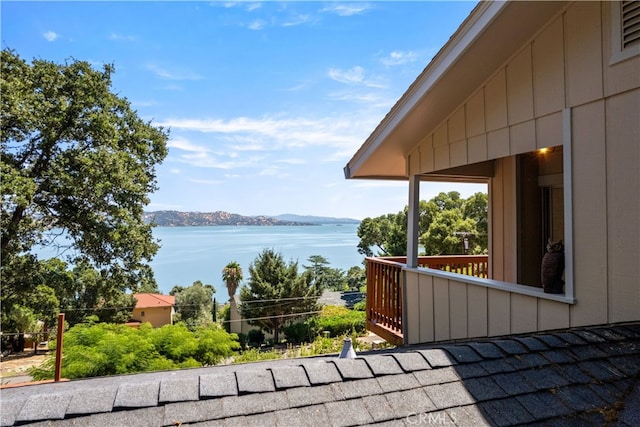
(294, 298)
(71, 309)
(272, 317)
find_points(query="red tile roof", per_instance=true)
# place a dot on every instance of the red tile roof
(154, 300)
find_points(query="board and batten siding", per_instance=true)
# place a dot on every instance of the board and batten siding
(567, 66)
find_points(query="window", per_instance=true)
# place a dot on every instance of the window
(540, 199)
(625, 26)
(142, 314)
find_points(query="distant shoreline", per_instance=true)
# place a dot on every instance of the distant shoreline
(221, 218)
(243, 225)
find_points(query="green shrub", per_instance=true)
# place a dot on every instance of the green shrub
(175, 342)
(215, 345)
(360, 305)
(255, 337)
(335, 320)
(300, 332)
(243, 340)
(341, 321)
(254, 355)
(226, 317)
(324, 345)
(107, 349)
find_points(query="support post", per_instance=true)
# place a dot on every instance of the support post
(412, 221)
(59, 337)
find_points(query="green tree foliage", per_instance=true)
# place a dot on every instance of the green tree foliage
(101, 349)
(194, 304)
(45, 287)
(276, 292)
(386, 234)
(76, 167)
(451, 223)
(476, 207)
(356, 278)
(325, 277)
(441, 222)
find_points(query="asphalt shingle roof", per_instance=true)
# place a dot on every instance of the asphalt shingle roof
(577, 377)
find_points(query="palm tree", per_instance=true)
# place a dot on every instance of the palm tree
(232, 276)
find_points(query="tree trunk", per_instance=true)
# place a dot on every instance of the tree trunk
(276, 333)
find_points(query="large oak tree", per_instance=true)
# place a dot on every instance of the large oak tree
(77, 167)
(441, 222)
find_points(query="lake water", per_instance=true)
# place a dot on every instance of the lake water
(188, 254)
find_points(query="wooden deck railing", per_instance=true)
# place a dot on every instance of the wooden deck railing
(384, 299)
(470, 265)
(384, 288)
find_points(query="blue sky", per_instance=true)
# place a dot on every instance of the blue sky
(266, 101)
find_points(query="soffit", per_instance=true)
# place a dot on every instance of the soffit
(492, 33)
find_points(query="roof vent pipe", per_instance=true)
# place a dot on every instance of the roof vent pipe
(347, 350)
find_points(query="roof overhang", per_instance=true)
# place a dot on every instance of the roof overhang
(490, 35)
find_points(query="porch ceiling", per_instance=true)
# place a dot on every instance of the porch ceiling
(486, 39)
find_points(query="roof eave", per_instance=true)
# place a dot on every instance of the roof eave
(477, 21)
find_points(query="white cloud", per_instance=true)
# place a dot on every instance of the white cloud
(281, 142)
(345, 9)
(206, 181)
(399, 58)
(122, 37)
(296, 20)
(175, 171)
(163, 73)
(144, 103)
(297, 87)
(371, 99)
(185, 145)
(353, 76)
(270, 171)
(248, 6)
(173, 87)
(258, 24)
(279, 133)
(50, 36)
(292, 161)
(204, 156)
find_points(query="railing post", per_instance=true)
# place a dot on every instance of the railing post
(59, 337)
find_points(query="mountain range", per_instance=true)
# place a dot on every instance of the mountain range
(192, 219)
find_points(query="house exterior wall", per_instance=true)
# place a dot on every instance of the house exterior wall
(240, 326)
(566, 67)
(157, 316)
